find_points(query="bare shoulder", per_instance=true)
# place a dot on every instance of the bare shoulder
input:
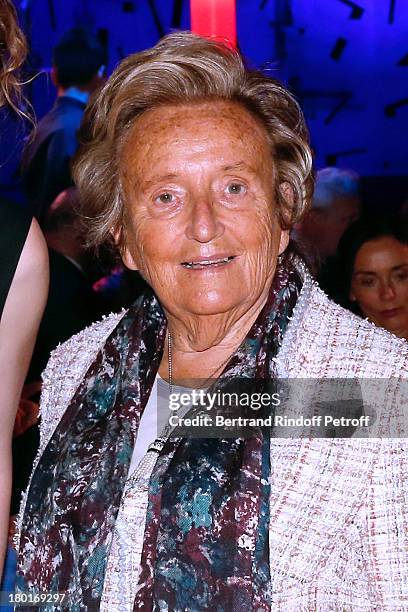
(28, 291)
(34, 256)
(20, 319)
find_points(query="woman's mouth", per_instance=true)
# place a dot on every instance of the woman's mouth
(389, 314)
(206, 264)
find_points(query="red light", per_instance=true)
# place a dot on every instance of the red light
(214, 18)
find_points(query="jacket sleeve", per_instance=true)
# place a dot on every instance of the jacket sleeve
(65, 370)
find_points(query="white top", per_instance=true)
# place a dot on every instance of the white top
(155, 417)
(124, 560)
(127, 544)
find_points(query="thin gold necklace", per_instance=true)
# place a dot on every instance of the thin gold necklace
(170, 364)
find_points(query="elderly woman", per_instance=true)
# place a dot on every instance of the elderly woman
(196, 168)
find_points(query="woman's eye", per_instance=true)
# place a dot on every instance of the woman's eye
(235, 189)
(367, 282)
(401, 276)
(164, 198)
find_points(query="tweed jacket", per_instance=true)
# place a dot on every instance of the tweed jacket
(339, 507)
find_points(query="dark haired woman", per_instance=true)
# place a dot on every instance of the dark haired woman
(372, 269)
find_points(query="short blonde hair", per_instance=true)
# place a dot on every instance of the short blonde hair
(184, 68)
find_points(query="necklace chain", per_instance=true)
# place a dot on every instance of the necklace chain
(170, 359)
(141, 474)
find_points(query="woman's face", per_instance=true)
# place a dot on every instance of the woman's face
(200, 217)
(380, 283)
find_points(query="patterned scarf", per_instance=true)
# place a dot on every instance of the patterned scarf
(206, 536)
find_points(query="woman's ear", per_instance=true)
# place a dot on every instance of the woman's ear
(288, 197)
(127, 259)
(284, 241)
(286, 190)
(286, 201)
(119, 240)
(352, 297)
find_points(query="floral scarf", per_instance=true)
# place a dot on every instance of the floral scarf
(206, 535)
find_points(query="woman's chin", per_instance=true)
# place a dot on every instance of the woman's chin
(211, 303)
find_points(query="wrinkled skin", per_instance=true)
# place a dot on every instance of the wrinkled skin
(380, 284)
(199, 185)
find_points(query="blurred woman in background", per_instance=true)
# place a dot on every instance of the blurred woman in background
(373, 272)
(23, 273)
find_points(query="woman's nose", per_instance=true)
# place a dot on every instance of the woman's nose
(204, 223)
(387, 291)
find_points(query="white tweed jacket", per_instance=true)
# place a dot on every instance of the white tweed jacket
(338, 507)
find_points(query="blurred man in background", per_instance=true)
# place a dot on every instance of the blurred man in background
(77, 71)
(336, 204)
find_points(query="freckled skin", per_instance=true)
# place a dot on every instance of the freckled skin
(199, 182)
(380, 284)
